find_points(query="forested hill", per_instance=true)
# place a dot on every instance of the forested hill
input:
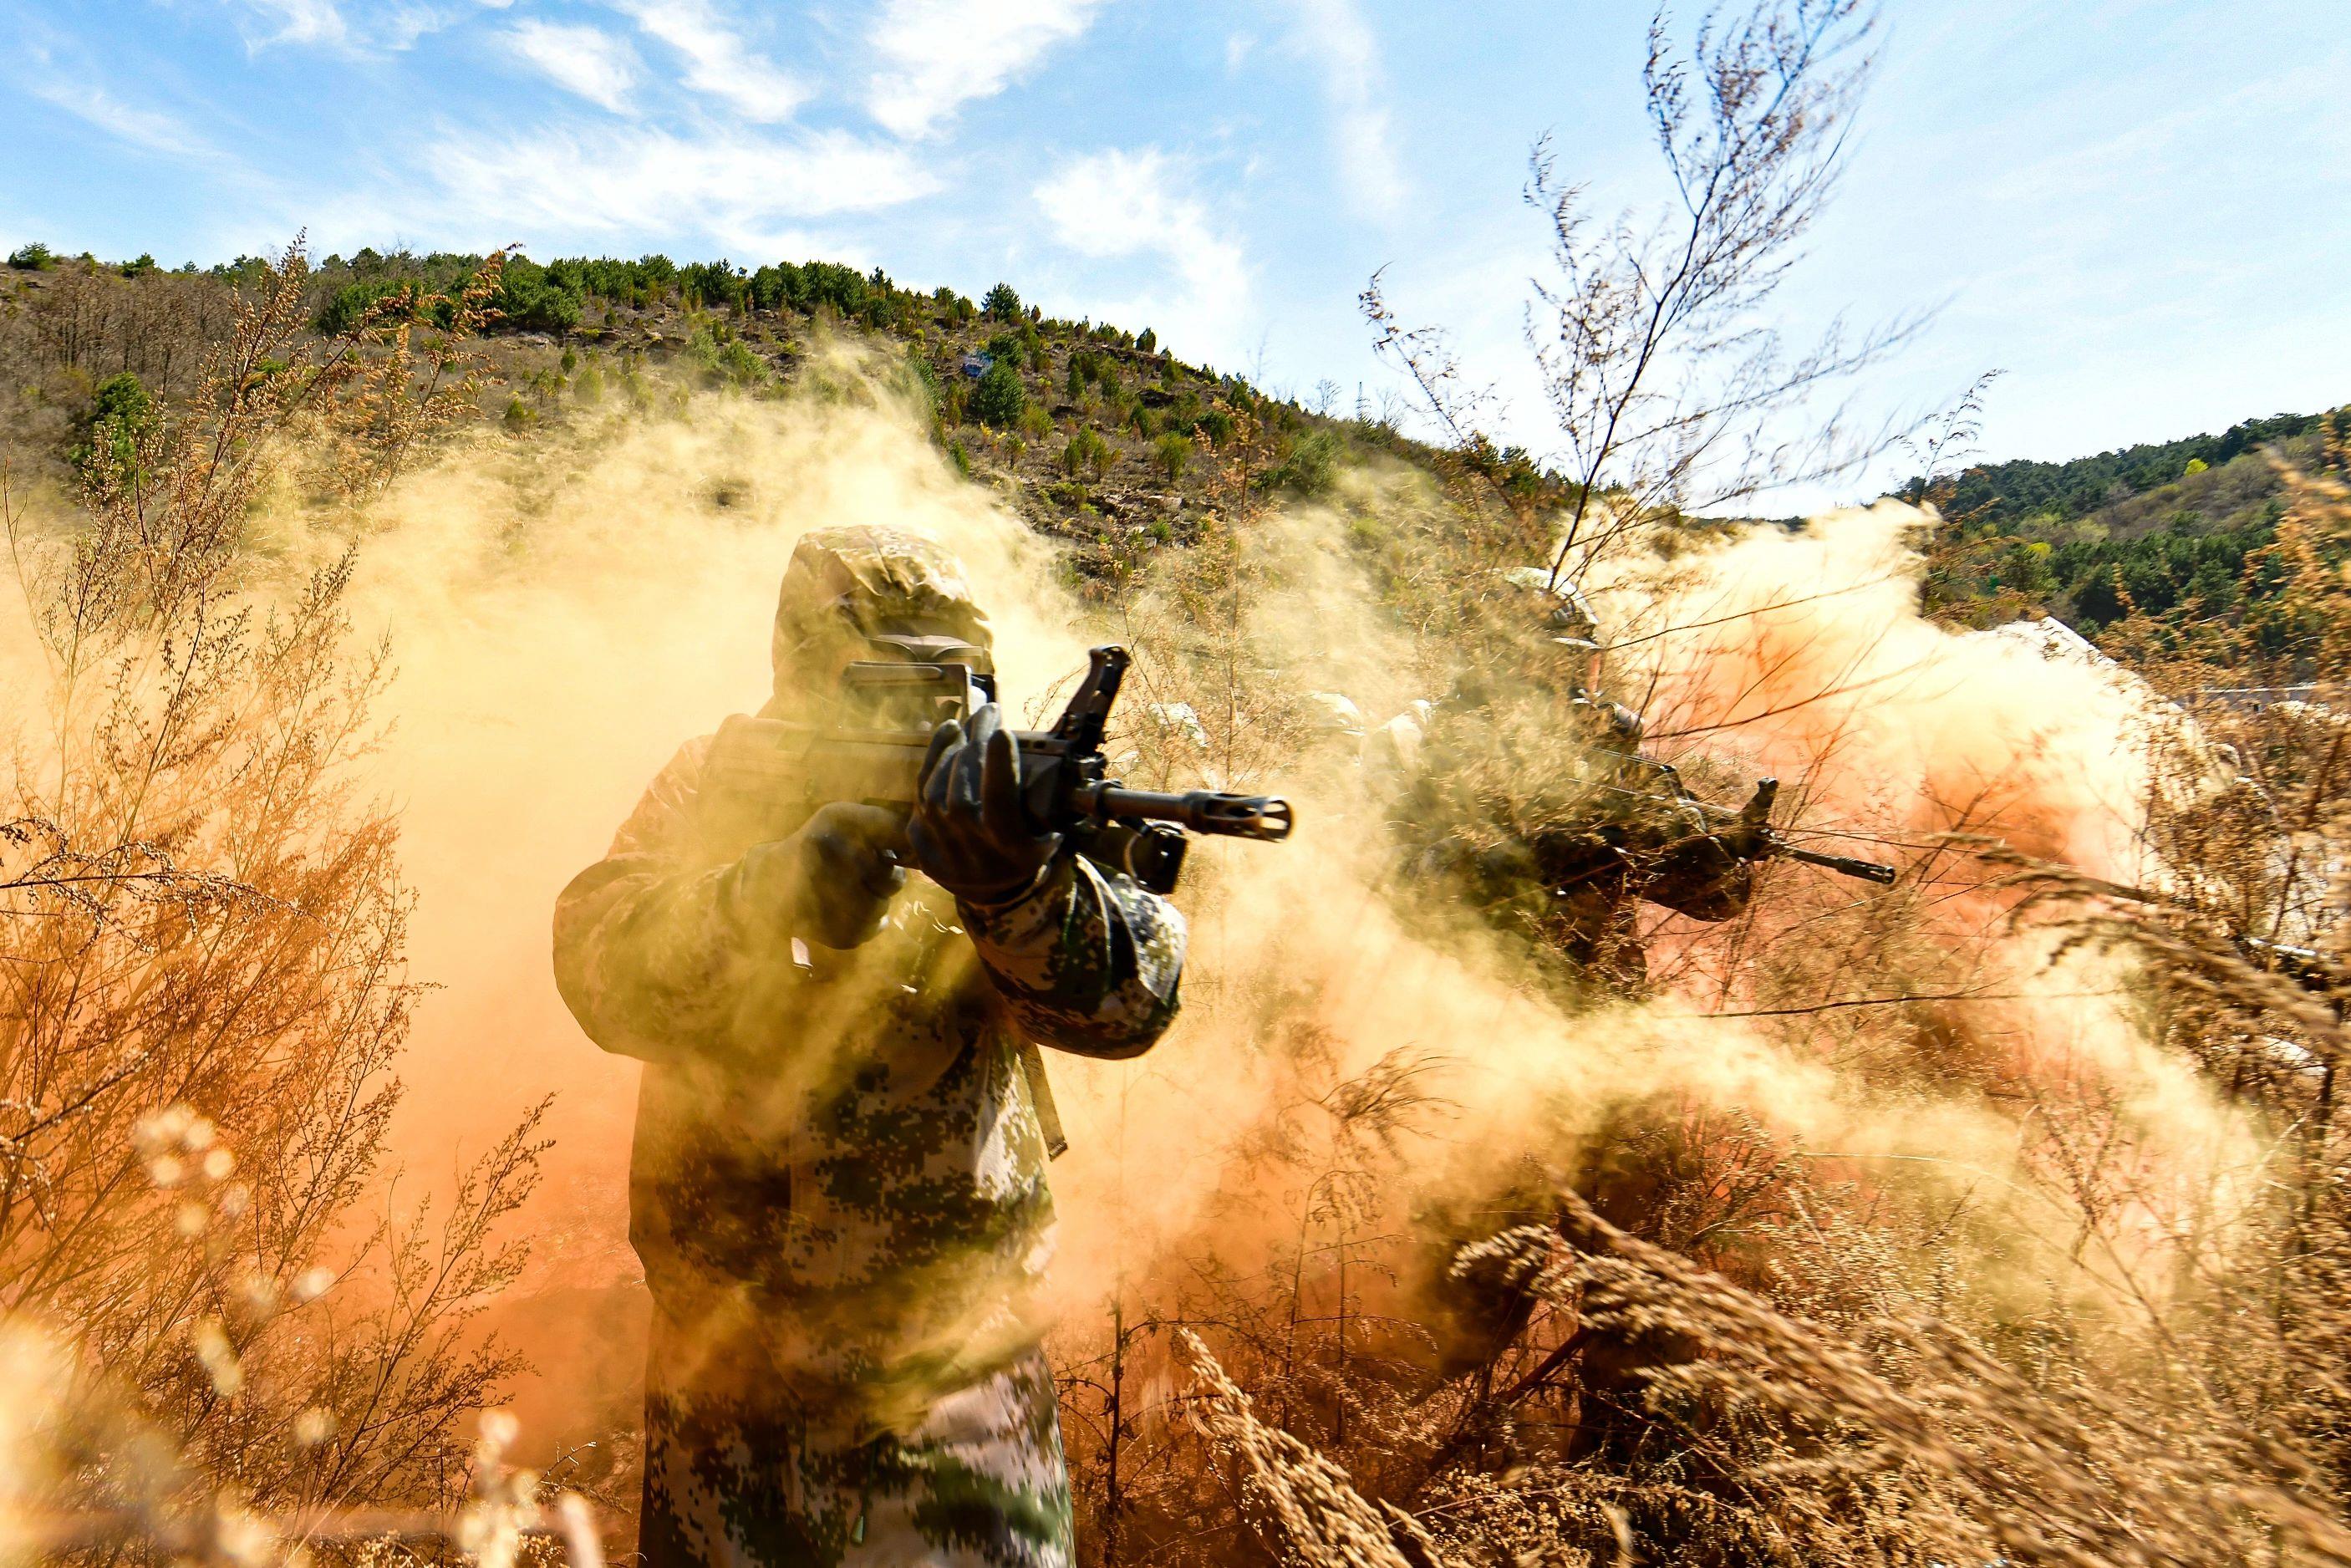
(2024, 488)
(1101, 435)
(2171, 527)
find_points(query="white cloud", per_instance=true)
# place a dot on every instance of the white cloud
(587, 61)
(1334, 33)
(374, 24)
(1117, 203)
(73, 90)
(150, 128)
(938, 55)
(742, 188)
(303, 21)
(402, 25)
(719, 63)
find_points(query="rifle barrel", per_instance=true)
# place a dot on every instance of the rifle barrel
(1843, 865)
(1263, 817)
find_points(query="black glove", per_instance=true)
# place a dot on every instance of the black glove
(1750, 837)
(970, 830)
(832, 882)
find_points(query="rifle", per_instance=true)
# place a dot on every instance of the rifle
(2305, 967)
(887, 712)
(1757, 814)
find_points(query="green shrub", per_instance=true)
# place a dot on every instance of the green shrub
(1001, 303)
(960, 455)
(1172, 453)
(527, 306)
(999, 397)
(1087, 450)
(1035, 422)
(768, 288)
(1148, 342)
(140, 266)
(924, 377)
(634, 382)
(520, 417)
(348, 308)
(712, 283)
(723, 358)
(122, 398)
(1216, 426)
(589, 387)
(1308, 467)
(121, 413)
(741, 364)
(33, 258)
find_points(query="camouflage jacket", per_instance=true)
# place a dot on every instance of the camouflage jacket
(1552, 831)
(838, 1190)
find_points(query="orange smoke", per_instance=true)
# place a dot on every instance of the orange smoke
(565, 613)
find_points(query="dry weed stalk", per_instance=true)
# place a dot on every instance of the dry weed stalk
(1666, 382)
(1322, 1518)
(2057, 1471)
(202, 1001)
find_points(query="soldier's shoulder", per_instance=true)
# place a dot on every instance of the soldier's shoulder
(681, 776)
(668, 801)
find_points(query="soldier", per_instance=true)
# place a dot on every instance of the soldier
(1525, 798)
(838, 1190)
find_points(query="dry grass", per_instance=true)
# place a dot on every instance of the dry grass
(206, 1000)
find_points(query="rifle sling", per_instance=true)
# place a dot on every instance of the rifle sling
(1040, 1089)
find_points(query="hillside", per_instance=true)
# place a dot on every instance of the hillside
(1103, 438)
(2166, 527)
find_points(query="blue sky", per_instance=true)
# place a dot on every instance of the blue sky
(2141, 211)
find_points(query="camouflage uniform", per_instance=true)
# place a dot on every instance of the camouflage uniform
(1530, 811)
(1547, 822)
(838, 1190)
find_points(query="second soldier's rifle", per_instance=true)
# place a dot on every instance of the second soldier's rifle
(2305, 967)
(1755, 818)
(873, 754)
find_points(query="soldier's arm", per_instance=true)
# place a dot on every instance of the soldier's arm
(1684, 864)
(653, 954)
(1088, 962)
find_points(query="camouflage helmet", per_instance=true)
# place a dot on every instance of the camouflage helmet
(1334, 713)
(857, 593)
(1566, 614)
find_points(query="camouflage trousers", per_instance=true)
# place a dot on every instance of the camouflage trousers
(980, 1483)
